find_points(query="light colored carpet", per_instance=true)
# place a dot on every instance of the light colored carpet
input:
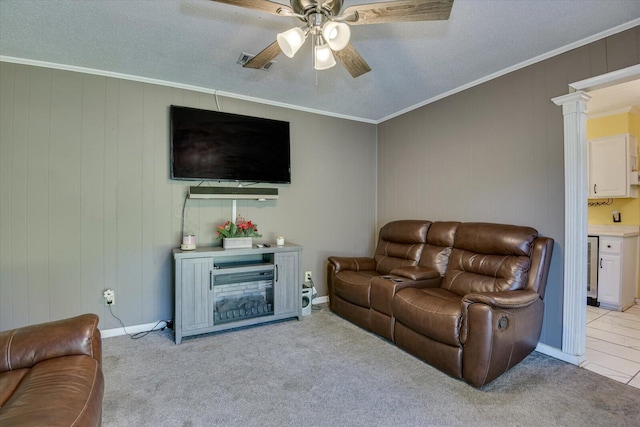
(324, 371)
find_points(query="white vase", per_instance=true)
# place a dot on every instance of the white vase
(237, 242)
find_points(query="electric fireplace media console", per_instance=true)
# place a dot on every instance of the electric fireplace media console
(217, 289)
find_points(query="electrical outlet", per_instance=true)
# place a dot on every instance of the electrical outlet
(617, 217)
(109, 297)
(307, 276)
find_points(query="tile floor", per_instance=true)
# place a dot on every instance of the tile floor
(613, 344)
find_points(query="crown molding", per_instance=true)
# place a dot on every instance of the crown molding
(540, 58)
(140, 79)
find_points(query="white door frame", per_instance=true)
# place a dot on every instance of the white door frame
(574, 110)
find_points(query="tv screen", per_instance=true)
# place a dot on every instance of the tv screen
(210, 145)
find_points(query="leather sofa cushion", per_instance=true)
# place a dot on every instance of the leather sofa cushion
(405, 231)
(435, 258)
(497, 239)
(400, 244)
(384, 288)
(62, 391)
(25, 347)
(354, 286)
(489, 258)
(440, 238)
(433, 312)
(470, 272)
(391, 255)
(9, 381)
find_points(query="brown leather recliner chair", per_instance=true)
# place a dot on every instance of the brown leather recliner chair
(486, 314)
(427, 273)
(51, 375)
(400, 244)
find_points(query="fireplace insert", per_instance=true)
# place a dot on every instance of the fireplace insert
(240, 296)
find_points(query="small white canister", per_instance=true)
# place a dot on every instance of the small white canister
(188, 242)
(280, 240)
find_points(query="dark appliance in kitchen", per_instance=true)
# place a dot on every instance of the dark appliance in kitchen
(592, 271)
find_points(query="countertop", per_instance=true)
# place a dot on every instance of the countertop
(613, 230)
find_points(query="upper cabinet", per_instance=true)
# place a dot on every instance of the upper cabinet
(613, 167)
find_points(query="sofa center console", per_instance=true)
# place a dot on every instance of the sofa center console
(217, 289)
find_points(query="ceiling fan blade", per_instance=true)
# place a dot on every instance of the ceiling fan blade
(261, 59)
(398, 11)
(262, 5)
(352, 61)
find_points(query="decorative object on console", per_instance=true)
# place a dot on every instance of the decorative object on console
(239, 234)
(280, 240)
(188, 242)
(237, 242)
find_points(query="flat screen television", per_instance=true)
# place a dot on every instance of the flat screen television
(211, 145)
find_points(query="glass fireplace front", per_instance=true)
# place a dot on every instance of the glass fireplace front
(242, 295)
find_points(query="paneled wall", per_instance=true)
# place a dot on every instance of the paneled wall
(86, 202)
(495, 153)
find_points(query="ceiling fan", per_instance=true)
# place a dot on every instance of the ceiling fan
(329, 28)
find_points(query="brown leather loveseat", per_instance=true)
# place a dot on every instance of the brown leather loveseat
(466, 298)
(51, 375)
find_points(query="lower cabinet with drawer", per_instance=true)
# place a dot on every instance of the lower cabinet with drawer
(617, 276)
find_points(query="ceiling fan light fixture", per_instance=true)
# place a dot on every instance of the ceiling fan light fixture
(323, 57)
(291, 40)
(337, 35)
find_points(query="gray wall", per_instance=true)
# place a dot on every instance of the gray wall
(495, 153)
(86, 202)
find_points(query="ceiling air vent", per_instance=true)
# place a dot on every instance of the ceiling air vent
(246, 57)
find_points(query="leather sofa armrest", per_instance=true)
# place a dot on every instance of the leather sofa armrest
(512, 301)
(353, 263)
(505, 299)
(415, 272)
(24, 347)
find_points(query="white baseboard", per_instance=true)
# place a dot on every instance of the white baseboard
(320, 300)
(116, 332)
(559, 354)
(108, 333)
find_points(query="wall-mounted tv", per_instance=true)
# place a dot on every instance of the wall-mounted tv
(211, 145)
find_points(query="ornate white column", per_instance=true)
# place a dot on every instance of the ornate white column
(574, 109)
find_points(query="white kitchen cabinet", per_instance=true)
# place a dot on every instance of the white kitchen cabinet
(617, 276)
(613, 166)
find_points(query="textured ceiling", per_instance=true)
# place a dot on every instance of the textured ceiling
(198, 42)
(614, 98)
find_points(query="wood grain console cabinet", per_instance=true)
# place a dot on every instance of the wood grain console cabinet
(217, 289)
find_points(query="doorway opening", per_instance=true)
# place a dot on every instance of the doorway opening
(574, 109)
